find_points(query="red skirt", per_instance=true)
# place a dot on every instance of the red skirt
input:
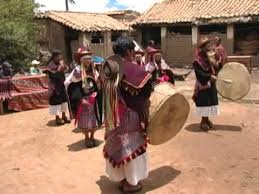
(87, 119)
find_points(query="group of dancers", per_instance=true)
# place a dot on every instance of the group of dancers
(117, 95)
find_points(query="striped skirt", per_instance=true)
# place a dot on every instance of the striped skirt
(87, 119)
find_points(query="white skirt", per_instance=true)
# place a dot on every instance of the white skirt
(57, 109)
(207, 111)
(133, 171)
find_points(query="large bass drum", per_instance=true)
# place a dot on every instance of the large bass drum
(169, 111)
(233, 81)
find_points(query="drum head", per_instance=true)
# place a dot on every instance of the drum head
(233, 81)
(168, 119)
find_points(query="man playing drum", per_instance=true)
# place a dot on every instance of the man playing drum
(127, 88)
(205, 93)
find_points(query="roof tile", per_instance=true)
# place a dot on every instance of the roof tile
(181, 11)
(86, 22)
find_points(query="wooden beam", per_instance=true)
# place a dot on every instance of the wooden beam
(163, 39)
(195, 35)
(1, 108)
(230, 39)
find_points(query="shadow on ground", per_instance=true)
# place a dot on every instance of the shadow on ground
(157, 178)
(232, 128)
(52, 123)
(80, 145)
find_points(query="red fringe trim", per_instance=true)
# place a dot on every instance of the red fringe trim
(136, 153)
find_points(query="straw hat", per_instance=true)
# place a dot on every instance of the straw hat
(203, 41)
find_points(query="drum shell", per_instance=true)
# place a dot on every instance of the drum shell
(240, 84)
(169, 111)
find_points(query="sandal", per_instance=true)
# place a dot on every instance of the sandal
(131, 189)
(94, 142)
(210, 124)
(204, 127)
(59, 122)
(121, 184)
(66, 120)
(88, 143)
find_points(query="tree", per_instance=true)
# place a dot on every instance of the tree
(67, 2)
(18, 30)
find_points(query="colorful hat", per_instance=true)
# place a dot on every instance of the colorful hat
(139, 52)
(153, 51)
(81, 52)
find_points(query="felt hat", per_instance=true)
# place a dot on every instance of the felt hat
(82, 52)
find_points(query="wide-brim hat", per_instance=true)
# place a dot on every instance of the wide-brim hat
(82, 52)
(203, 41)
(139, 52)
(154, 51)
(86, 57)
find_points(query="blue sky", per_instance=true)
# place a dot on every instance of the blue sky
(98, 5)
(114, 3)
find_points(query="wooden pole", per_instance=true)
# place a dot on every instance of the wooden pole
(67, 8)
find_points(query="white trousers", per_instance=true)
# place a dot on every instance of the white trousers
(57, 109)
(133, 171)
(207, 111)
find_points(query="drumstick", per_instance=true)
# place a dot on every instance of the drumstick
(227, 81)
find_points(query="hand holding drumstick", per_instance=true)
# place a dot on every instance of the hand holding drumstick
(214, 78)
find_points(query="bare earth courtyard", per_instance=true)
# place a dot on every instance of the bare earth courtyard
(37, 158)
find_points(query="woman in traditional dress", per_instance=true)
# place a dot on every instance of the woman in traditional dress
(139, 58)
(57, 92)
(160, 71)
(205, 93)
(127, 88)
(88, 116)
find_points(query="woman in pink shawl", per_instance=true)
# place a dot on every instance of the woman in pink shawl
(127, 88)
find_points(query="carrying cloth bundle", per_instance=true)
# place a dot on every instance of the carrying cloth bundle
(169, 111)
(233, 81)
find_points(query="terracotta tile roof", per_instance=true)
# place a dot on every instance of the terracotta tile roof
(86, 22)
(116, 12)
(195, 11)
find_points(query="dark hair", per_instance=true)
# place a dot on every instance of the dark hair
(122, 45)
(54, 54)
(151, 43)
(217, 39)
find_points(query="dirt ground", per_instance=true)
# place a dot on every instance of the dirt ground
(37, 158)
